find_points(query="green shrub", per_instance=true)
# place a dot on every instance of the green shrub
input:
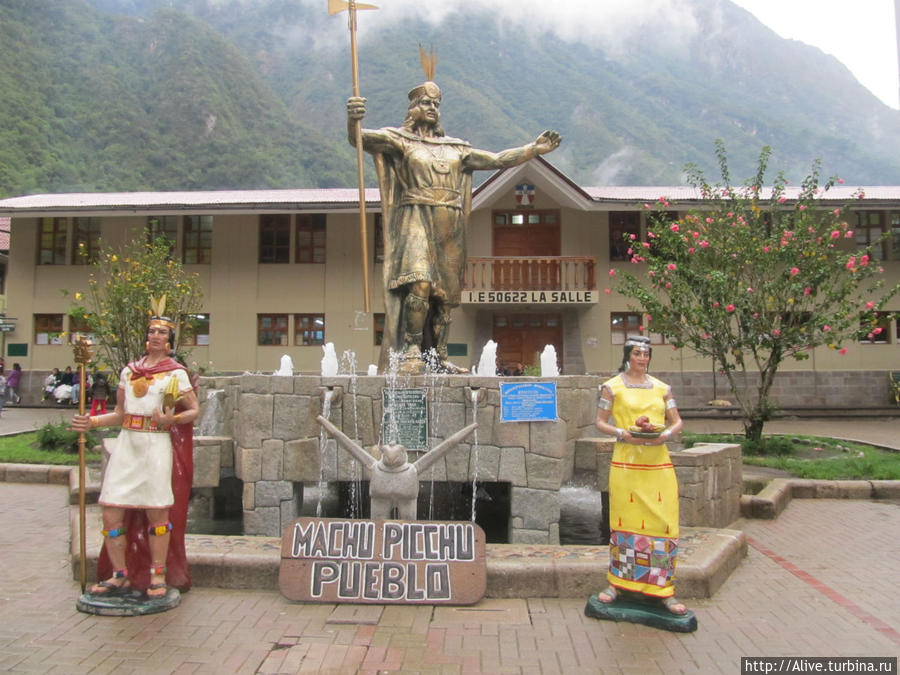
(59, 438)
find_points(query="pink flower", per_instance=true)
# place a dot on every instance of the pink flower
(749, 290)
(716, 303)
(782, 200)
(646, 206)
(704, 243)
(802, 207)
(842, 351)
(826, 327)
(674, 227)
(612, 273)
(835, 234)
(837, 212)
(870, 304)
(841, 181)
(645, 244)
(671, 267)
(729, 308)
(606, 290)
(851, 264)
(848, 234)
(877, 330)
(695, 234)
(776, 332)
(691, 249)
(709, 221)
(632, 237)
(668, 284)
(766, 249)
(795, 271)
(807, 290)
(864, 260)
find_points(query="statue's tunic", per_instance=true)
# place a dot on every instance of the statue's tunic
(427, 188)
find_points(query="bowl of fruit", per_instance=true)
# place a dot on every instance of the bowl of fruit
(644, 428)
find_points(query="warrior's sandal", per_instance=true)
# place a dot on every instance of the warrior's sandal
(109, 587)
(158, 571)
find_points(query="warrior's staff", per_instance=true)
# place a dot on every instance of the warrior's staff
(335, 6)
(83, 355)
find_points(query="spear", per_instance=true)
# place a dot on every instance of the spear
(83, 355)
(335, 6)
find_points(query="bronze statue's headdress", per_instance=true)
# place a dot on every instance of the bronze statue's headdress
(427, 88)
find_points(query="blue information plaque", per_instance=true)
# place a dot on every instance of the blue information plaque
(527, 401)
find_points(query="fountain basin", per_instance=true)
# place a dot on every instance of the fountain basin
(706, 557)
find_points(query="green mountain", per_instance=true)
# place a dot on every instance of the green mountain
(195, 94)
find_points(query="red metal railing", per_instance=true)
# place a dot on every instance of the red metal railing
(541, 273)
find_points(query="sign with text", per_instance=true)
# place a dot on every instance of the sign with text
(529, 297)
(383, 561)
(527, 401)
(405, 417)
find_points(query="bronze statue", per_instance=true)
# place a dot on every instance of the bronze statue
(425, 179)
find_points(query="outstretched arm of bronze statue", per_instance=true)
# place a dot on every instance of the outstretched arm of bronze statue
(439, 450)
(357, 451)
(482, 159)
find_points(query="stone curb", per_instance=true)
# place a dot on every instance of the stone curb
(775, 497)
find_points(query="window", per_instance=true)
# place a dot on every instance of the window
(86, 234)
(875, 332)
(197, 333)
(48, 329)
(163, 226)
(869, 228)
(379, 240)
(275, 238)
(78, 327)
(272, 329)
(623, 324)
(379, 329)
(52, 242)
(623, 224)
(309, 329)
(310, 238)
(197, 240)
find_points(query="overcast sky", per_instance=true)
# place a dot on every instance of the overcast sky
(859, 33)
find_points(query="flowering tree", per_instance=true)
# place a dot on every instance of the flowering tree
(751, 281)
(116, 306)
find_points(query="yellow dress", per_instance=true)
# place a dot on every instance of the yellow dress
(643, 497)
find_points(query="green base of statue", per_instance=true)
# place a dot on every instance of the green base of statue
(633, 608)
(130, 603)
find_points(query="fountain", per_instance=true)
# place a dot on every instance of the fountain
(329, 360)
(548, 362)
(487, 365)
(286, 369)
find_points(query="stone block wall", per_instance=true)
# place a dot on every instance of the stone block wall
(709, 478)
(278, 445)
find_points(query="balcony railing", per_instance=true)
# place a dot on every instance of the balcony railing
(549, 273)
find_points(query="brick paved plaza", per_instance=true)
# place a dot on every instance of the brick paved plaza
(812, 584)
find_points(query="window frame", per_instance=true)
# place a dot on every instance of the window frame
(311, 234)
(305, 329)
(86, 230)
(275, 329)
(54, 333)
(277, 227)
(58, 240)
(196, 239)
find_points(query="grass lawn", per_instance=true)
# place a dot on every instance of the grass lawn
(813, 456)
(23, 449)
